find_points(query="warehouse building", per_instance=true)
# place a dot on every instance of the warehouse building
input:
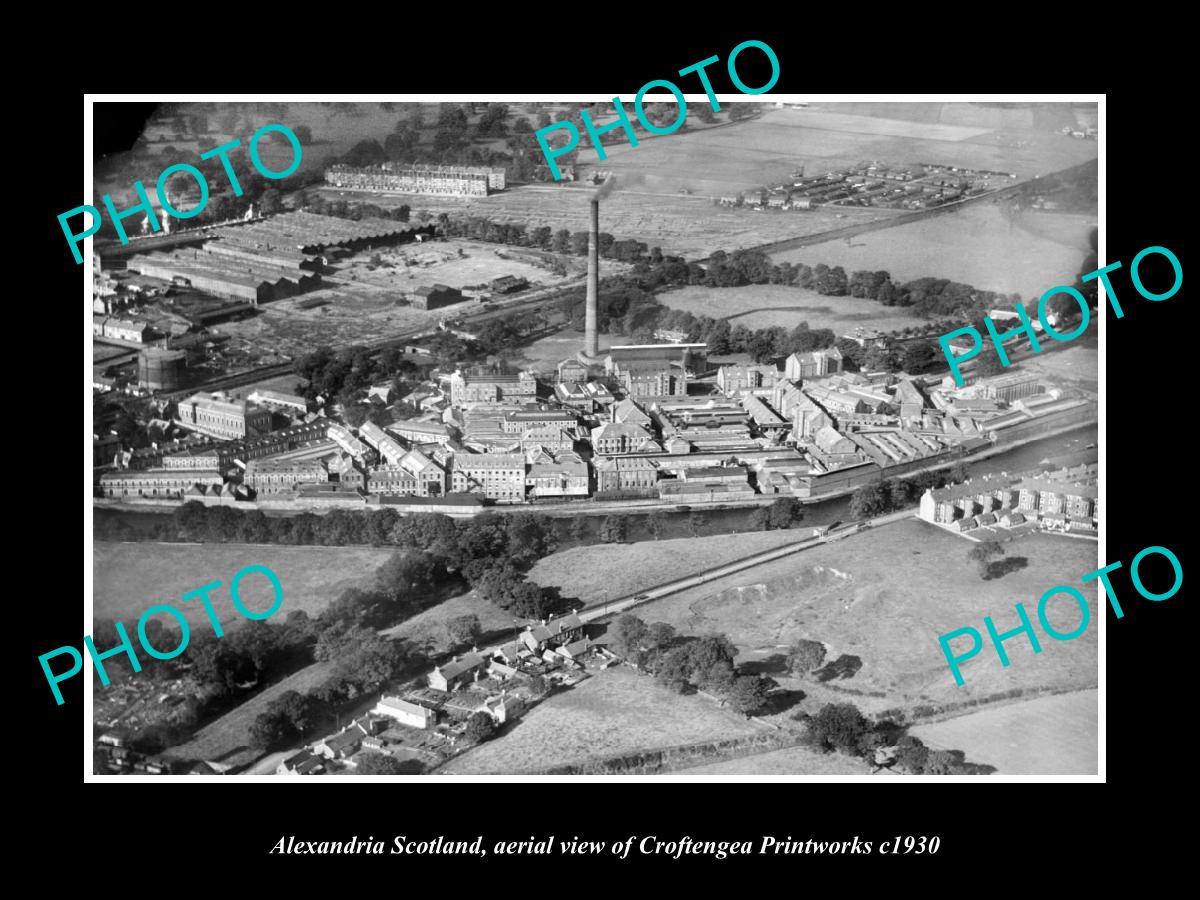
(459, 181)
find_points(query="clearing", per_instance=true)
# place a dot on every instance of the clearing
(1054, 735)
(615, 712)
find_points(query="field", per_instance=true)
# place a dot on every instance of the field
(769, 148)
(227, 739)
(979, 245)
(130, 577)
(764, 305)
(429, 627)
(1054, 735)
(615, 712)
(792, 761)
(691, 226)
(623, 569)
(885, 596)
(1077, 364)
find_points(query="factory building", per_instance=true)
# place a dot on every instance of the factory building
(217, 415)
(269, 477)
(654, 370)
(459, 181)
(499, 476)
(435, 296)
(468, 387)
(167, 484)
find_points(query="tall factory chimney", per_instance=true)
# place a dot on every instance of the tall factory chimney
(591, 346)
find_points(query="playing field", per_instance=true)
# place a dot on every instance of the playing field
(615, 712)
(885, 596)
(980, 245)
(764, 305)
(129, 577)
(1054, 735)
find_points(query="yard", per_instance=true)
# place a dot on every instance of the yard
(1054, 735)
(129, 577)
(764, 305)
(615, 712)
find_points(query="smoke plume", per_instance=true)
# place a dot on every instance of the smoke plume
(609, 185)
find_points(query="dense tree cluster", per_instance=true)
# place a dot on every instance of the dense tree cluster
(880, 497)
(344, 374)
(840, 727)
(682, 662)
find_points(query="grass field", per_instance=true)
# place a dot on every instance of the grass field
(128, 578)
(430, 625)
(978, 245)
(617, 711)
(1054, 735)
(885, 596)
(622, 569)
(792, 761)
(764, 305)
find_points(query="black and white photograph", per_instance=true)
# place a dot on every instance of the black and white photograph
(750, 437)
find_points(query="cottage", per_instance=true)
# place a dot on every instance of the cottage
(457, 673)
(302, 763)
(411, 714)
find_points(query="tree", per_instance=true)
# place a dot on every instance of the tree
(838, 726)
(480, 727)
(626, 634)
(988, 364)
(371, 762)
(655, 522)
(747, 693)
(538, 685)
(804, 656)
(784, 512)
(982, 554)
(869, 500)
(303, 134)
(464, 629)
(614, 529)
(695, 522)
